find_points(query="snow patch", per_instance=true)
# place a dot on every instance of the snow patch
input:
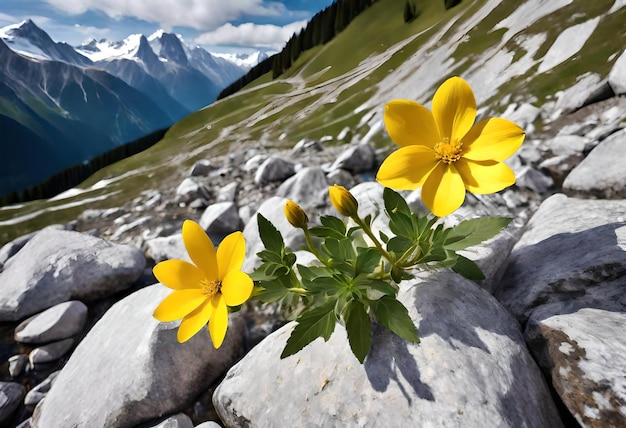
(568, 43)
(527, 14)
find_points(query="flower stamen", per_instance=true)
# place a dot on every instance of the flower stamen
(448, 151)
(210, 288)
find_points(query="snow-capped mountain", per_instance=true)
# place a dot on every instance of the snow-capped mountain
(29, 40)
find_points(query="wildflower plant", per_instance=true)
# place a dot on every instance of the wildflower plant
(359, 271)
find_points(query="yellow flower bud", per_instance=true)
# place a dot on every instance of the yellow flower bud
(342, 200)
(295, 215)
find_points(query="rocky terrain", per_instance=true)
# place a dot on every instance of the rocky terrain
(538, 343)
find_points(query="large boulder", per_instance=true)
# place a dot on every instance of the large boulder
(130, 368)
(308, 187)
(56, 266)
(471, 368)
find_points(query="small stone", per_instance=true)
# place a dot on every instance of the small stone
(50, 352)
(17, 364)
(357, 158)
(39, 392)
(274, 169)
(202, 168)
(58, 322)
(179, 420)
(11, 396)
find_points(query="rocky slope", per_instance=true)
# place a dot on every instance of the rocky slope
(538, 343)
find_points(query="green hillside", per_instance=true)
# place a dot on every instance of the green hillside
(343, 84)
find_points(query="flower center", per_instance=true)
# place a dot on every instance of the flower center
(448, 151)
(210, 288)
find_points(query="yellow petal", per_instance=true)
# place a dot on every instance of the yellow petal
(219, 321)
(408, 123)
(200, 248)
(454, 108)
(193, 322)
(231, 253)
(443, 191)
(179, 304)
(236, 288)
(492, 139)
(407, 168)
(178, 274)
(486, 176)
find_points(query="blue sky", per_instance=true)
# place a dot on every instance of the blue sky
(218, 25)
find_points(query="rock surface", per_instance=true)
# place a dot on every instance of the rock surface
(58, 322)
(471, 369)
(56, 266)
(11, 396)
(143, 372)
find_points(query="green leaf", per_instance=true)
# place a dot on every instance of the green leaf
(393, 315)
(314, 323)
(334, 223)
(269, 256)
(394, 202)
(375, 288)
(383, 237)
(309, 273)
(325, 232)
(324, 284)
(289, 259)
(367, 260)
(340, 250)
(270, 236)
(475, 231)
(399, 244)
(273, 270)
(468, 268)
(271, 291)
(359, 329)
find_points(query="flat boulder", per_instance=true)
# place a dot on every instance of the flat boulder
(56, 266)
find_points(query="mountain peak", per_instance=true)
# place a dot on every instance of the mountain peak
(169, 46)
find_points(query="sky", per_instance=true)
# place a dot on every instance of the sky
(216, 25)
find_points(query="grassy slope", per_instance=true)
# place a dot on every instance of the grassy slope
(318, 96)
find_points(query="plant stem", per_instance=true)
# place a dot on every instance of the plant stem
(314, 251)
(368, 231)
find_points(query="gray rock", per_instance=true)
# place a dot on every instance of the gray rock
(38, 393)
(308, 187)
(600, 174)
(142, 371)
(202, 168)
(356, 159)
(558, 167)
(306, 145)
(274, 169)
(166, 248)
(585, 355)
(571, 249)
(191, 189)
(9, 249)
(273, 210)
(50, 352)
(534, 180)
(525, 116)
(58, 322)
(341, 177)
(228, 193)
(471, 368)
(133, 225)
(179, 420)
(57, 266)
(11, 396)
(566, 145)
(17, 364)
(209, 424)
(221, 219)
(617, 75)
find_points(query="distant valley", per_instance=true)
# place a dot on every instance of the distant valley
(62, 105)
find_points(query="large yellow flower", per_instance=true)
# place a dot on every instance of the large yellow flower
(204, 290)
(444, 151)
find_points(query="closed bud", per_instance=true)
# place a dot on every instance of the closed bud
(343, 201)
(296, 215)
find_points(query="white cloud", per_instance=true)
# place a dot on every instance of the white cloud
(198, 14)
(8, 19)
(249, 34)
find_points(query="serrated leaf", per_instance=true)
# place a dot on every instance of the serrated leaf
(325, 232)
(394, 202)
(376, 288)
(393, 315)
(468, 268)
(271, 291)
(323, 284)
(383, 237)
(399, 244)
(367, 260)
(270, 236)
(314, 323)
(309, 273)
(359, 329)
(474, 231)
(340, 250)
(333, 222)
(269, 256)
(289, 259)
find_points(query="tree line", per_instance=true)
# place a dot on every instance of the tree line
(321, 29)
(78, 173)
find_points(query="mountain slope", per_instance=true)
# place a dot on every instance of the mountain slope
(344, 84)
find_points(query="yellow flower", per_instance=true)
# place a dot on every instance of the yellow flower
(204, 290)
(444, 151)
(342, 200)
(295, 215)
